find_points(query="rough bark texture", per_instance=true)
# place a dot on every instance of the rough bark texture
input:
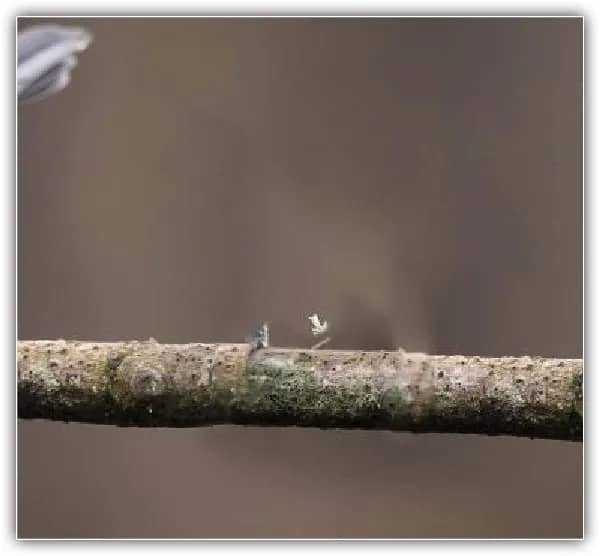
(171, 385)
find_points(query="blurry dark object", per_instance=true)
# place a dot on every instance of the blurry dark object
(45, 57)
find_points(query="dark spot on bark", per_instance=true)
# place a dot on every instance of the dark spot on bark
(113, 364)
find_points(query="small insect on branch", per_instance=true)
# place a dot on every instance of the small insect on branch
(318, 328)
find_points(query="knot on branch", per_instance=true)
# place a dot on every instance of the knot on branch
(141, 376)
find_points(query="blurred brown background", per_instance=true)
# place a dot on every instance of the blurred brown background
(417, 181)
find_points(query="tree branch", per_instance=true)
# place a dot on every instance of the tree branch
(182, 385)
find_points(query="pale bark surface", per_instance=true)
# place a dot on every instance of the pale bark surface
(173, 385)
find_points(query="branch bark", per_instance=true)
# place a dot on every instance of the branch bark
(182, 385)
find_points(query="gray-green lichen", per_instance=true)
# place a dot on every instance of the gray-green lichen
(149, 384)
